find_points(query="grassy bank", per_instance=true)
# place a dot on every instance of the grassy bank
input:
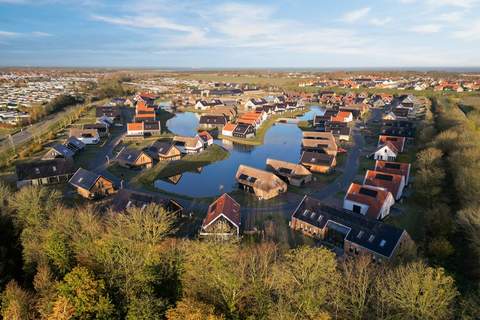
(190, 162)
(260, 135)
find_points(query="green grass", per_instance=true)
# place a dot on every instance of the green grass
(187, 163)
(365, 164)
(411, 219)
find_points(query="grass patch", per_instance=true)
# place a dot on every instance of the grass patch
(365, 164)
(187, 163)
(410, 219)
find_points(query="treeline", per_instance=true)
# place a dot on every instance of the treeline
(77, 263)
(111, 88)
(38, 112)
(447, 183)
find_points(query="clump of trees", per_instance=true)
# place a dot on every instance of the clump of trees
(78, 263)
(37, 112)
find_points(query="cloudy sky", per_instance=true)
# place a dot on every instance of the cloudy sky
(230, 34)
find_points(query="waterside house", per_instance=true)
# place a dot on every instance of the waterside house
(318, 162)
(164, 151)
(265, 185)
(125, 199)
(133, 158)
(294, 174)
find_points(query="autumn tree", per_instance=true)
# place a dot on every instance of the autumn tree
(415, 291)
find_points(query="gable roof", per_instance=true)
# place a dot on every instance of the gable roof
(85, 179)
(205, 136)
(399, 168)
(288, 169)
(125, 199)
(360, 229)
(135, 126)
(161, 147)
(398, 142)
(229, 127)
(74, 143)
(372, 196)
(130, 155)
(38, 169)
(259, 179)
(226, 206)
(63, 150)
(391, 182)
(316, 158)
(79, 133)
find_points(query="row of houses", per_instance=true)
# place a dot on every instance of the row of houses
(145, 122)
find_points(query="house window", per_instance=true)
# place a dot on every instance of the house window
(357, 209)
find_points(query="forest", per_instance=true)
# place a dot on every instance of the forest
(59, 262)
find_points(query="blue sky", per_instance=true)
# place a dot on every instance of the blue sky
(230, 34)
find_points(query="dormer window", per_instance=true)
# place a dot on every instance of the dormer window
(371, 238)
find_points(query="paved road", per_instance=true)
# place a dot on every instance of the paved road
(38, 128)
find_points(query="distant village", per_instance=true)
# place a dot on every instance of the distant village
(131, 135)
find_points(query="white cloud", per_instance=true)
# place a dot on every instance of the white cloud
(444, 3)
(41, 34)
(469, 33)
(8, 34)
(450, 17)
(353, 16)
(426, 28)
(380, 21)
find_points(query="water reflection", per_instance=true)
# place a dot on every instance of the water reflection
(282, 142)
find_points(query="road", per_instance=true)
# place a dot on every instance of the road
(36, 129)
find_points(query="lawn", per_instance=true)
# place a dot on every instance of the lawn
(410, 219)
(365, 164)
(187, 163)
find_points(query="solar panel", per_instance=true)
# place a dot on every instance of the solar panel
(243, 177)
(383, 177)
(368, 192)
(371, 238)
(390, 165)
(285, 170)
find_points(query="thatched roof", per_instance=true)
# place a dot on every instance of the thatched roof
(288, 169)
(259, 179)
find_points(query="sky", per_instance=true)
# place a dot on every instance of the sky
(240, 34)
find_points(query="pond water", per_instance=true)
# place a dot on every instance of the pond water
(281, 142)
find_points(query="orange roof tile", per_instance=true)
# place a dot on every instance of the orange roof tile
(374, 199)
(135, 126)
(389, 181)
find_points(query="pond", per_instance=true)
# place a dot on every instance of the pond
(281, 142)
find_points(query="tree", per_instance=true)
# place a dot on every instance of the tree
(356, 287)
(17, 304)
(189, 309)
(468, 220)
(86, 295)
(415, 291)
(305, 282)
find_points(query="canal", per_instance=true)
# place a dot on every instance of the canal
(281, 142)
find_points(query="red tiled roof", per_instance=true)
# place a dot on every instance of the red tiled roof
(205, 135)
(398, 142)
(393, 185)
(389, 167)
(374, 203)
(223, 205)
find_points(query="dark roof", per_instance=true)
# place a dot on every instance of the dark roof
(129, 155)
(242, 128)
(317, 158)
(212, 119)
(108, 111)
(63, 150)
(43, 169)
(371, 234)
(151, 125)
(84, 179)
(161, 147)
(74, 143)
(98, 126)
(126, 198)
